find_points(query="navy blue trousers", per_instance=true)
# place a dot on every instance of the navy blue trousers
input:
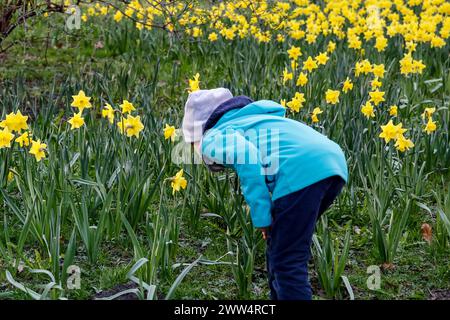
(289, 238)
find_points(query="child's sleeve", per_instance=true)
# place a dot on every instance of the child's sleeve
(232, 148)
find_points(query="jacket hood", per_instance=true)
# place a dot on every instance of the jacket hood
(230, 104)
(260, 107)
(243, 106)
(246, 107)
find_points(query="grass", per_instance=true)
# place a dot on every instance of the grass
(417, 271)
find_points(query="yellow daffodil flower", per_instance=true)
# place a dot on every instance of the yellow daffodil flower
(15, 122)
(194, 84)
(348, 85)
(287, 75)
(314, 114)
(363, 67)
(38, 150)
(393, 111)
(169, 132)
(378, 70)
(24, 139)
(428, 112)
(430, 126)
(118, 16)
(5, 138)
(402, 144)
(81, 101)
(391, 132)
(294, 52)
(76, 121)
(108, 112)
(322, 58)
(331, 46)
(302, 79)
(178, 182)
(309, 64)
(375, 83)
(376, 96)
(368, 110)
(127, 107)
(297, 102)
(131, 126)
(10, 176)
(332, 96)
(212, 37)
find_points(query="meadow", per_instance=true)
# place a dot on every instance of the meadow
(93, 205)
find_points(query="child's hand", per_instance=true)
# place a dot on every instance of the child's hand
(264, 232)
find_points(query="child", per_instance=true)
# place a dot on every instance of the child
(289, 174)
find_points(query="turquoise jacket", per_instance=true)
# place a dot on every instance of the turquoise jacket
(272, 155)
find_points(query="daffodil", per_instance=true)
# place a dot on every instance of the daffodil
(287, 75)
(380, 43)
(391, 132)
(322, 58)
(228, 33)
(194, 84)
(348, 85)
(169, 132)
(10, 176)
(5, 138)
(76, 121)
(331, 46)
(297, 102)
(178, 182)
(411, 46)
(127, 107)
(294, 52)
(118, 16)
(406, 64)
(24, 139)
(368, 110)
(363, 67)
(376, 96)
(131, 126)
(81, 101)
(280, 38)
(38, 150)
(430, 126)
(294, 64)
(403, 144)
(212, 37)
(378, 70)
(409, 65)
(15, 122)
(375, 83)
(314, 114)
(332, 96)
(393, 110)
(302, 79)
(354, 42)
(428, 112)
(108, 112)
(309, 64)
(418, 66)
